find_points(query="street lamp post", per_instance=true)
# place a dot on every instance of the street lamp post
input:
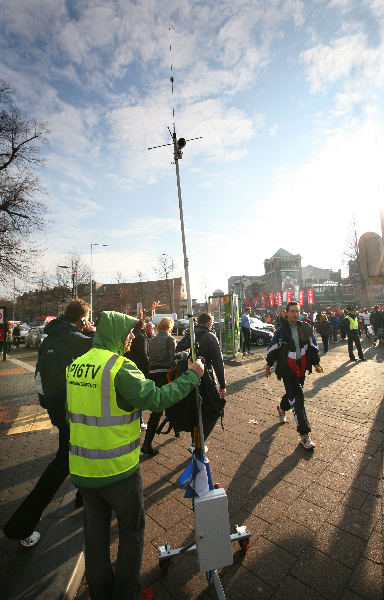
(91, 284)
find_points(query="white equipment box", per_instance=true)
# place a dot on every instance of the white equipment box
(213, 539)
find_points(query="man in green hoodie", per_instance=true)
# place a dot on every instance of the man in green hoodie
(105, 393)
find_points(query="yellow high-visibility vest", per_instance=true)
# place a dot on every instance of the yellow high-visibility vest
(353, 323)
(104, 439)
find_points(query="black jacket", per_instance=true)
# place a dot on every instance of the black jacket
(282, 350)
(139, 350)
(64, 343)
(209, 349)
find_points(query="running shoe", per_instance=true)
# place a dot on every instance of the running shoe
(306, 442)
(282, 417)
(31, 540)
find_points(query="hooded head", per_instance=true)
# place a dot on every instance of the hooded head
(112, 330)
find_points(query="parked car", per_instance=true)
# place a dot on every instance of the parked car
(180, 326)
(260, 337)
(24, 328)
(34, 337)
(258, 324)
(42, 320)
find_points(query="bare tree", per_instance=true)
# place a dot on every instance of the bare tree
(165, 267)
(22, 210)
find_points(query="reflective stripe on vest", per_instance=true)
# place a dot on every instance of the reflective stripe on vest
(107, 442)
(353, 323)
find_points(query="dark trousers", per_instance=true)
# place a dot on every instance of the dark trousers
(343, 332)
(324, 339)
(353, 336)
(125, 498)
(246, 339)
(24, 520)
(334, 333)
(294, 399)
(160, 379)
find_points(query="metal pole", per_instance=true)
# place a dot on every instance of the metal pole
(187, 284)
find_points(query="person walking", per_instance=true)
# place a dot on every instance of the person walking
(16, 336)
(352, 326)
(334, 322)
(294, 349)
(342, 325)
(105, 393)
(68, 337)
(161, 359)
(245, 324)
(324, 330)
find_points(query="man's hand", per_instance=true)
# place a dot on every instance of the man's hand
(197, 366)
(267, 371)
(88, 326)
(222, 393)
(319, 369)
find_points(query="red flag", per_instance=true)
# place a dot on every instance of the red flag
(289, 296)
(301, 297)
(271, 299)
(310, 296)
(263, 299)
(279, 300)
(256, 301)
(246, 302)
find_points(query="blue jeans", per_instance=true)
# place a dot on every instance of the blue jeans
(125, 498)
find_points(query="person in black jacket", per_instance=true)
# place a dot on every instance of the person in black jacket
(324, 328)
(138, 352)
(64, 343)
(209, 349)
(294, 349)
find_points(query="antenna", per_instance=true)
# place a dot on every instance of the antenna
(178, 146)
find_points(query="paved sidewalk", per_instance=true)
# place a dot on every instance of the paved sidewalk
(28, 443)
(316, 517)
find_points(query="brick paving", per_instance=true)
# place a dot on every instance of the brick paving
(316, 518)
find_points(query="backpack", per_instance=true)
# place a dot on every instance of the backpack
(183, 415)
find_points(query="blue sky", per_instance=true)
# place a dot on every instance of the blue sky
(287, 94)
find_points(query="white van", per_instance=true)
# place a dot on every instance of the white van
(157, 318)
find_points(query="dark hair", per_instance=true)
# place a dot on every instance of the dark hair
(75, 309)
(140, 324)
(204, 318)
(292, 303)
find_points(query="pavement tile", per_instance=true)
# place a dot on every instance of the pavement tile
(268, 561)
(367, 580)
(335, 481)
(293, 589)
(322, 496)
(240, 583)
(374, 549)
(168, 513)
(354, 498)
(267, 508)
(289, 535)
(308, 514)
(338, 544)
(372, 485)
(353, 521)
(322, 573)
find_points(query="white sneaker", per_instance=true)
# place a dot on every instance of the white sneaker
(191, 449)
(307, 443)
(143, 426)
(282, 417)
(31, 540)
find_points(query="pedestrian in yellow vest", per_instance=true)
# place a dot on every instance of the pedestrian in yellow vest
(105, 393)
(352, 326)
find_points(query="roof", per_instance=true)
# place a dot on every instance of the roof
(281, 253)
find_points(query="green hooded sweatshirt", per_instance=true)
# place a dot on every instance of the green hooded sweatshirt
(132, 389)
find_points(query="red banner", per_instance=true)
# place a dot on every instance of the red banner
(279, 300)
(271, 299)
(310, 296)
(256, 301)
(301, 297)
(289, 296)
(247, 302)
(263, 299)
